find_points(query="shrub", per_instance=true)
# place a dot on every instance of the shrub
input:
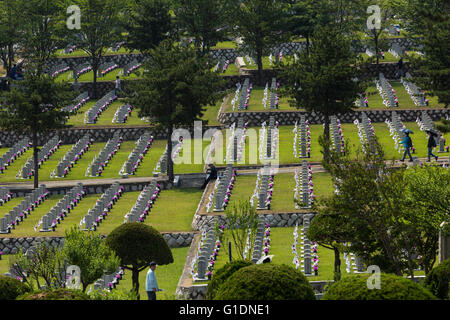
(392, 287)
(266, 282)
(222, 274)
(11, 288)
(438, 280)
(55, 294)
(113, 295)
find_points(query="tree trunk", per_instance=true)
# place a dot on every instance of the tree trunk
(307, 45)
(135, 281)
(170, 174)
(337, 264)
(95, 69)
(260, 66)
(35, 157)
(376, 51)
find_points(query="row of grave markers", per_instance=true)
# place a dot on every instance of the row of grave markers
(43, 155)
(14, 152)
(73, 155)
(106, 154)
(144, 203)
(91, 116)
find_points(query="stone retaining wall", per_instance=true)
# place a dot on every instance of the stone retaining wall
(256, 118)
(12, 245)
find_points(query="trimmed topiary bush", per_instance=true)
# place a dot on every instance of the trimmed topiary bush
(56, 294)
(392, 287)
(266, 282)
(222, 274)
(438, 280)
(11, 288)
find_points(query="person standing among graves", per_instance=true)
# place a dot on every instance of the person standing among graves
(211, 174)
(407, 143)
(117, 85)
(151, 286)
(431, 145)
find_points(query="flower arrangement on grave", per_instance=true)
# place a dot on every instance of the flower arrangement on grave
(315, 258)
(294, 248)
(137, 66)
(393, 133)
(247, 97)
(270, 189)
(197, 254)
(294, 147)
(266, 92)
(81, 103)
(62, 70)
(211, 196)
(255, 192)
(229, 189)
(312, 197)
(341, 135)
(109, 69)
(236, 95)
(266, 239)
(84, 70)
(308, 139)
(119, 45)
(242, 142)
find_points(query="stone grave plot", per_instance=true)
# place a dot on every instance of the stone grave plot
(245, 95)
(109, 281)
(302, 139)
(100, 162)
(337, 137)
(395, 128)
(72, 157)
(236, 143)
(137, 155)
(92, 115)
(106, 68)
(396, 50)
(5, 195)
(264, 188)
(79, 101)
(426, 123)
(274, 99)
(268, 140)
(304, 187)
(13, 153)
(224, 189)
(387, 93)
(81, 69)
(58, 68)
(417, 95)
(44, 154)
(363, 101)
(59, 212)
(122, 113)
(161, 166)
(20, 212)
(131, 67)
(366, 133)
(99, 213)
(144, 203)
(116, 48)
(261, 243)
(208, 249)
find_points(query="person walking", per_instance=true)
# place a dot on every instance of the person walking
(211, 174)
(151, 286)
(407, 143)
(431, 144)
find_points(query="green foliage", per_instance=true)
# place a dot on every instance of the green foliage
(89, 252)
(11, 288)
(222, 274)
(10, 20)
(391, 288)
(56, 294)
(203, 20)
(148, 22)
(266, 282)
(438, 280)
(242, 221)
(116, 294)
(138, 244)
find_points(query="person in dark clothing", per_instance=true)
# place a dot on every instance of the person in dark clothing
(210, 175)
(431, 145)
(400, 68)
(407, 143)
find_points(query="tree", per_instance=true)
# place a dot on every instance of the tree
(10, 21)
(43, 31)
(175, 88)
(437, 281)
(242, 222)
(137, 244)
(100, 28)
(147, 22)
(430, 29)
(391, 288)
(34, 108)
(261, 24)
(90, 253)
(204, 20)
(324, 80)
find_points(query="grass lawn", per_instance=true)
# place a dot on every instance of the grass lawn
(167, 276)
(211, 113)
(89, 76)
(225, 45)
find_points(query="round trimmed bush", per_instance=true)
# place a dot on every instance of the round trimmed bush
(222, 274)
(266, 282)
(56, 294)
(11, 288)
(438, 280)
(392, 287)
